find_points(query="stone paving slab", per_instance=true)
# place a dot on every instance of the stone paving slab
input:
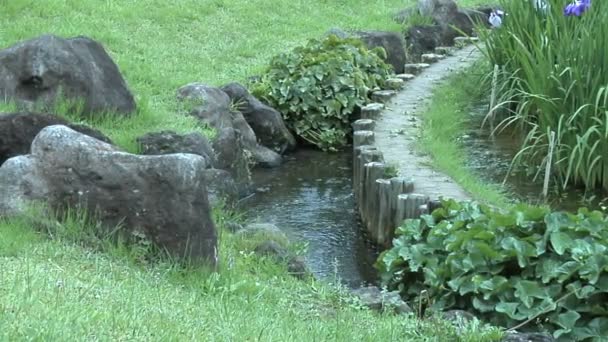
(397, 128)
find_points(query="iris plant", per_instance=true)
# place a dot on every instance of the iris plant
(577, 8)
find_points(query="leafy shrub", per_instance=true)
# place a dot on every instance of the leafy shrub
(556, 73)
(507, 266)
(317, 87)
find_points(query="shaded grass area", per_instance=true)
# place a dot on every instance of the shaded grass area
(62, 289)
(445, 121)
(162, 45)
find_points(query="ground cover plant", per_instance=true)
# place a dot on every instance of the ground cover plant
(552, 63)
(520, 267)
(319, 86)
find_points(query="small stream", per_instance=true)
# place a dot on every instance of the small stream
(490, 158)
(310, 198)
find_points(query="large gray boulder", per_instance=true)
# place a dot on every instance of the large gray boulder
(221, 187)
(39, 70)
(266, 122)
(392, 42)
(18, 130)
(232, 156)
(214, 107)
(163, 198)
(169, 142)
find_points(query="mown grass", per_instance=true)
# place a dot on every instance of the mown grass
(445, 121)
(162, 45)
(61, 289)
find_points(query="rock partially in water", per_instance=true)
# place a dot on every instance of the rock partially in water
(375, 299)
(266, 122)
(214, 107)
(49, 68)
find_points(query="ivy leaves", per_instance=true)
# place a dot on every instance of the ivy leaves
(509, 266)
(318, 87)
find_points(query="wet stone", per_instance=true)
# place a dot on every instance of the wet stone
(415, 68)
(371, 111)
(431, 57)
(406, 77)
(444, 50)
(394, 83)
(383, 96)
(462, 41)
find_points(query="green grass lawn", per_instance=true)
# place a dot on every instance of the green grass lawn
(447, 119)
(162, 45)
(61, 289)
(64, 290)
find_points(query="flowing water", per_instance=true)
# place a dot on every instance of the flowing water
(310, 198)
(490, 158)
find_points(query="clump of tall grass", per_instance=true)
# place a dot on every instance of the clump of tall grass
(554, 76)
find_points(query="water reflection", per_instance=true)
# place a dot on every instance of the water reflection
(310, 198)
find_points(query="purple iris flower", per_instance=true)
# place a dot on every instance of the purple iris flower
(577, 8)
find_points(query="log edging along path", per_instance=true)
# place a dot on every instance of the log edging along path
(384, 142)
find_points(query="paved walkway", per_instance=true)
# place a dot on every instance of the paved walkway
(403, 113)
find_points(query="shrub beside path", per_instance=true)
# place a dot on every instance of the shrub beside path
(397, 127)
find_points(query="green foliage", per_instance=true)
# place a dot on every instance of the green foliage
(317, 87)
(507, 266)
(555, 76)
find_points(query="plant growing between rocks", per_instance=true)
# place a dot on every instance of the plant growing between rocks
(319, 87)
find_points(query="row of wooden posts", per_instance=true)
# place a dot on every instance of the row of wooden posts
(384, 202)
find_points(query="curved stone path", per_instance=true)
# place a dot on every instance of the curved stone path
(397, 127)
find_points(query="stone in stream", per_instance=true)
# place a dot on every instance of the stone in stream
(47, 69)
(161, 198)
(375, 299)
(394, 83)
(371, 110)
(431, 57)
(462, 41)
(383, 96)
(444, 50)
(214, 107)
(406, 77)
(415, 68)
(266, 122)
(18, 130)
